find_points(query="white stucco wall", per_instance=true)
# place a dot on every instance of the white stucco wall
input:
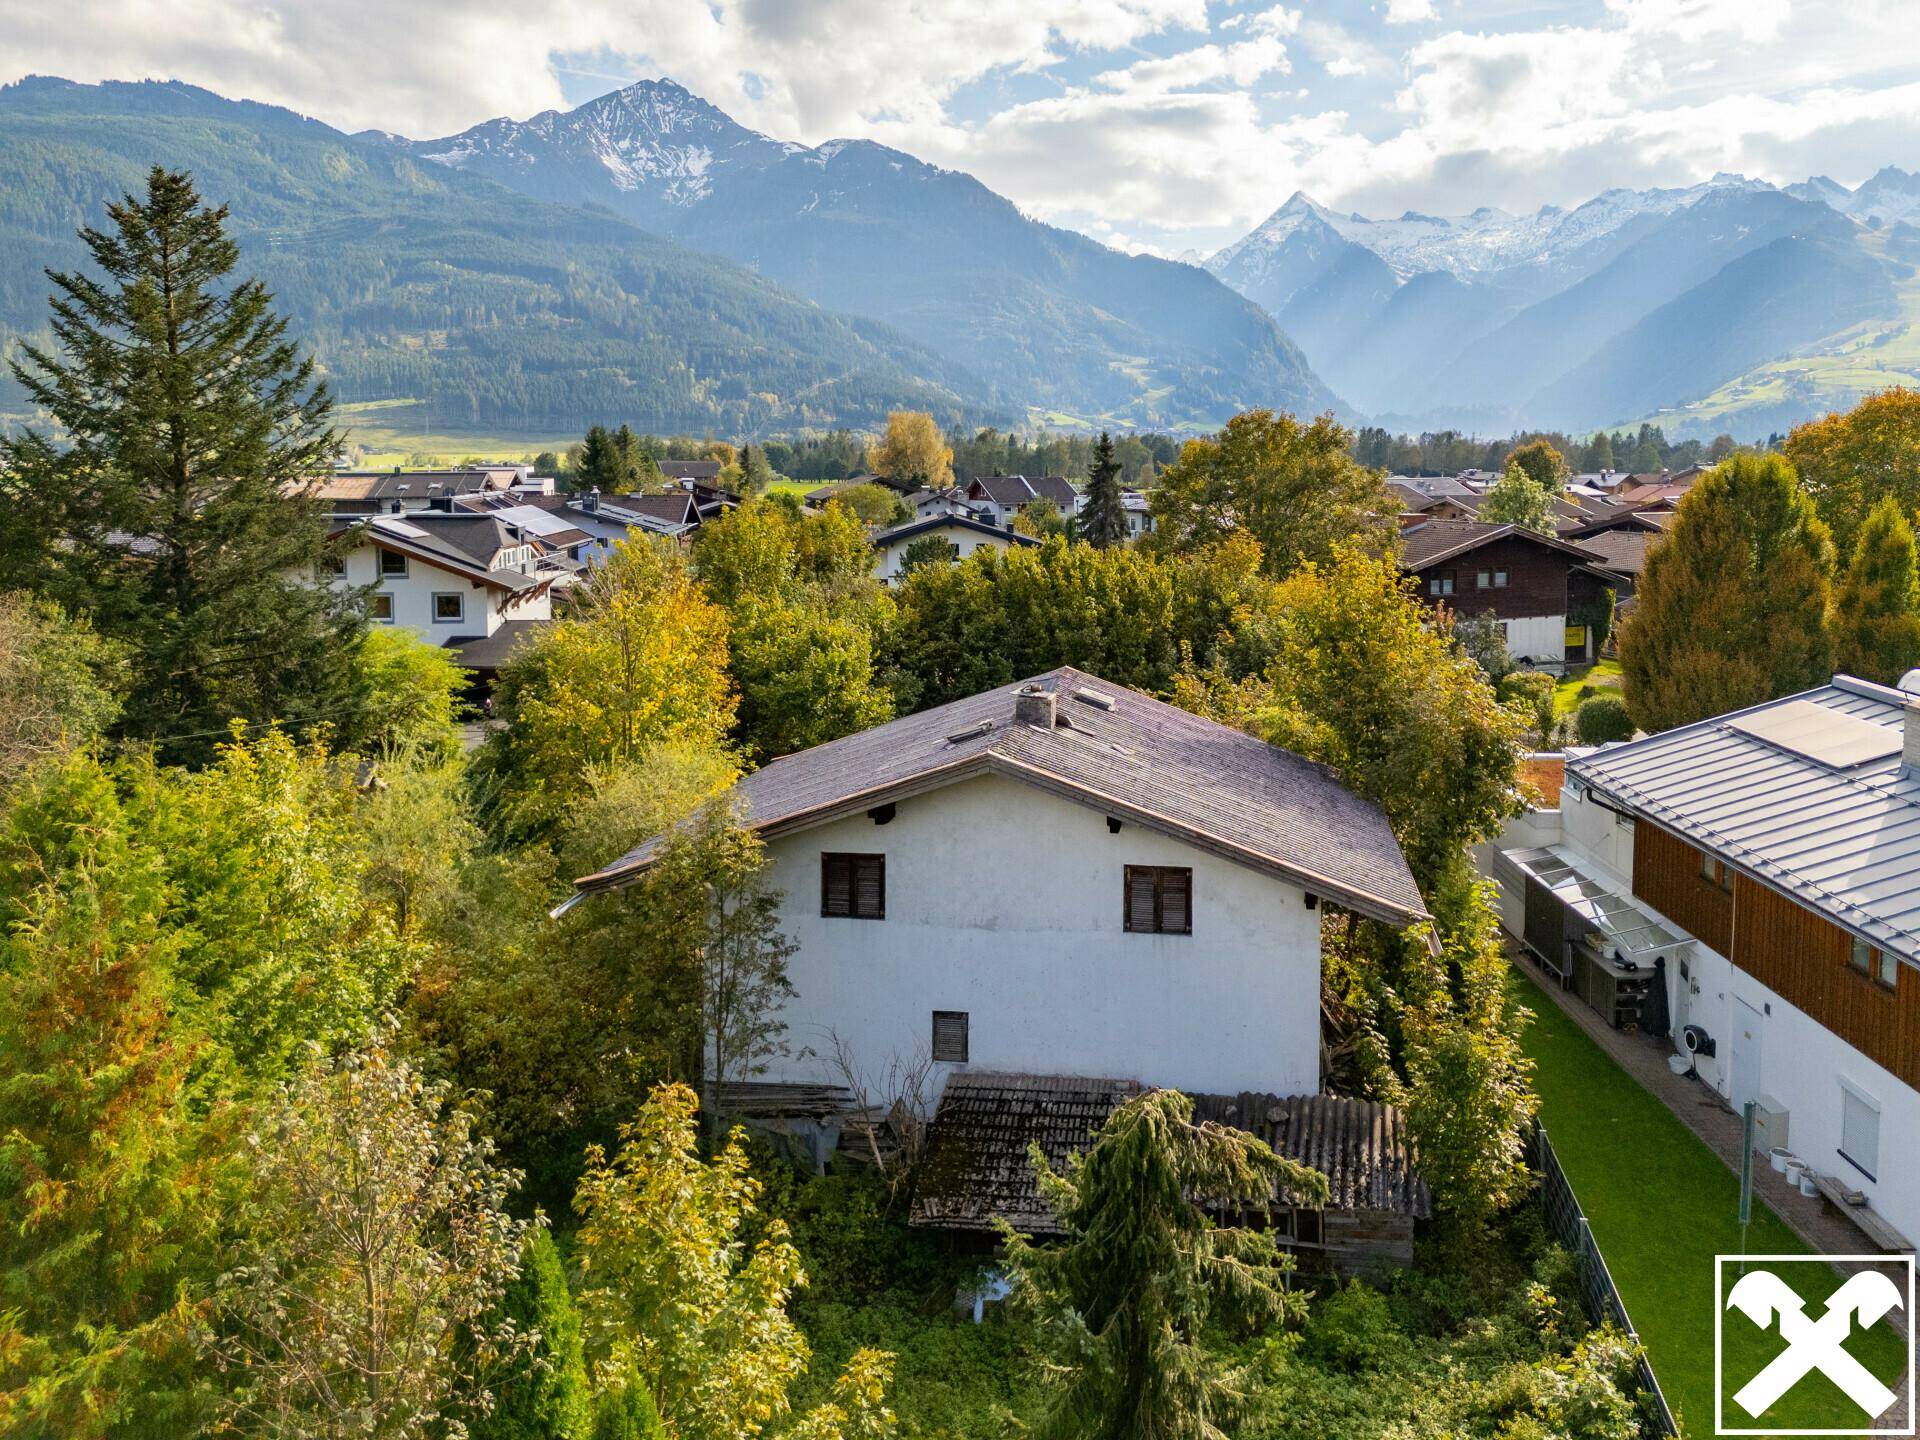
(888, 558)
(1539, 638)
(1005, 902)
(1791, 1059)
(413, 597)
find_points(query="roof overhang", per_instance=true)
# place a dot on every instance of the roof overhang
(986, 762)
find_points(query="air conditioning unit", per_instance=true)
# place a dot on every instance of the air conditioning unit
(1769, 1124)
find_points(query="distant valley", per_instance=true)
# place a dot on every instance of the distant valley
(1731, 305)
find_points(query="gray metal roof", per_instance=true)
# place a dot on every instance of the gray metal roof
(1140, 760)
(1843, 840)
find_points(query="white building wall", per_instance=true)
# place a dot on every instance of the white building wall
(412, 595)
(1005, 902)
(1790, 1060)
(1539, 638)
(889, 558)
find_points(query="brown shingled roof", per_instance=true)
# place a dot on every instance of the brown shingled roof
(977, 1167)
(1121, 752)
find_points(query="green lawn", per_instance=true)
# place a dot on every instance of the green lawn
(1602, 678)
(1662, 1205)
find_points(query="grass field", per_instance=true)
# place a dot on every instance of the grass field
(1662, 1205)
(399, 432)
(1602, 678)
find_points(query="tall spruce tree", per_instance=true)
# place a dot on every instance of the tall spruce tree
(601, 465)
(170, 502)
(1104, 520)
(1125, 1302)
(1876, 610)
(1731, 608)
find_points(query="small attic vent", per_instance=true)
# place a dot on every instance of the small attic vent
(1094, 698)
(972, 732)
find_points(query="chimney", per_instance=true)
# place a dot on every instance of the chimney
(1910, 740)
(592, 503)
(1033, 705)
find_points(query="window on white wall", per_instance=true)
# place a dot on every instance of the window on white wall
(950, 1036)
(448, 605)
(380, 607)
(1860, 1131)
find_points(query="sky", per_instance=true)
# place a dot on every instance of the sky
(1167, 125)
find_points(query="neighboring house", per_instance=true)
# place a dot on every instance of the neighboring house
(1603, 519)
(1139, 512)
(1535, 585)
(1058, 880)
(1000, 498)
(1623, 553)
(963, 535)
(1762, 871)
(401, 492)
(602, 521)
(450, 578)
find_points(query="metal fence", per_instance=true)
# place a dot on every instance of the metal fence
(1569, 1226)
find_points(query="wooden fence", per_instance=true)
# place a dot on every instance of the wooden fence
(1569, 1226)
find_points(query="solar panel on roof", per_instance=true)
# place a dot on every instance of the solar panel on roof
(1820, 733)
(400, 527)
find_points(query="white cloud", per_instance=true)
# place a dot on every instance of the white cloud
(1153, 126)
(1240, 64)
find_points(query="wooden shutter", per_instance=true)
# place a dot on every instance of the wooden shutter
(1140, 890)
(950, 1036)
(1176, 901)
(1159, 900)
(853, 886)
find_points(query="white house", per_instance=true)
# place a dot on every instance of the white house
(402, 492)
(453, 578)
(1030, 892)
(1139, 513)
(962, 534)
(1761, 872)
(1062, 877)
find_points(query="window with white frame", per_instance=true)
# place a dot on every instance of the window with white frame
(380, 607)
(1860, 1130)
(392, 562)
(449, 606)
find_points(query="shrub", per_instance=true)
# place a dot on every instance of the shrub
(1353, 1329)
(1601, 719)
(1531, 692)
(627, 1414)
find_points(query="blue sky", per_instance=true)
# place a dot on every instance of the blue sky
(1166, 124)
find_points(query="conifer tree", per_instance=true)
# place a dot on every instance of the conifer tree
(1731, 609)
(1124, 1301)
(600, 466)
(1104, 520)
(1876, 611)
(543, 1395)
(170, 503)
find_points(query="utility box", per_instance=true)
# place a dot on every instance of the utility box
(1769, 1124)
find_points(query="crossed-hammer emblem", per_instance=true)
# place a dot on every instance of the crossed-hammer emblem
(1814, 1344)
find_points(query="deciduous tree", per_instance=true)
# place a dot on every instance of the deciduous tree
(61, 683)
(678, 1297)
(1295, 488)
(170, 504)
(913, 449)
(364, 1297)
(640, 661)
(1542, 461)
(1850, 461)
(1731, 609)
(1125, 1303)
(1518, 498)
(1876, 607)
